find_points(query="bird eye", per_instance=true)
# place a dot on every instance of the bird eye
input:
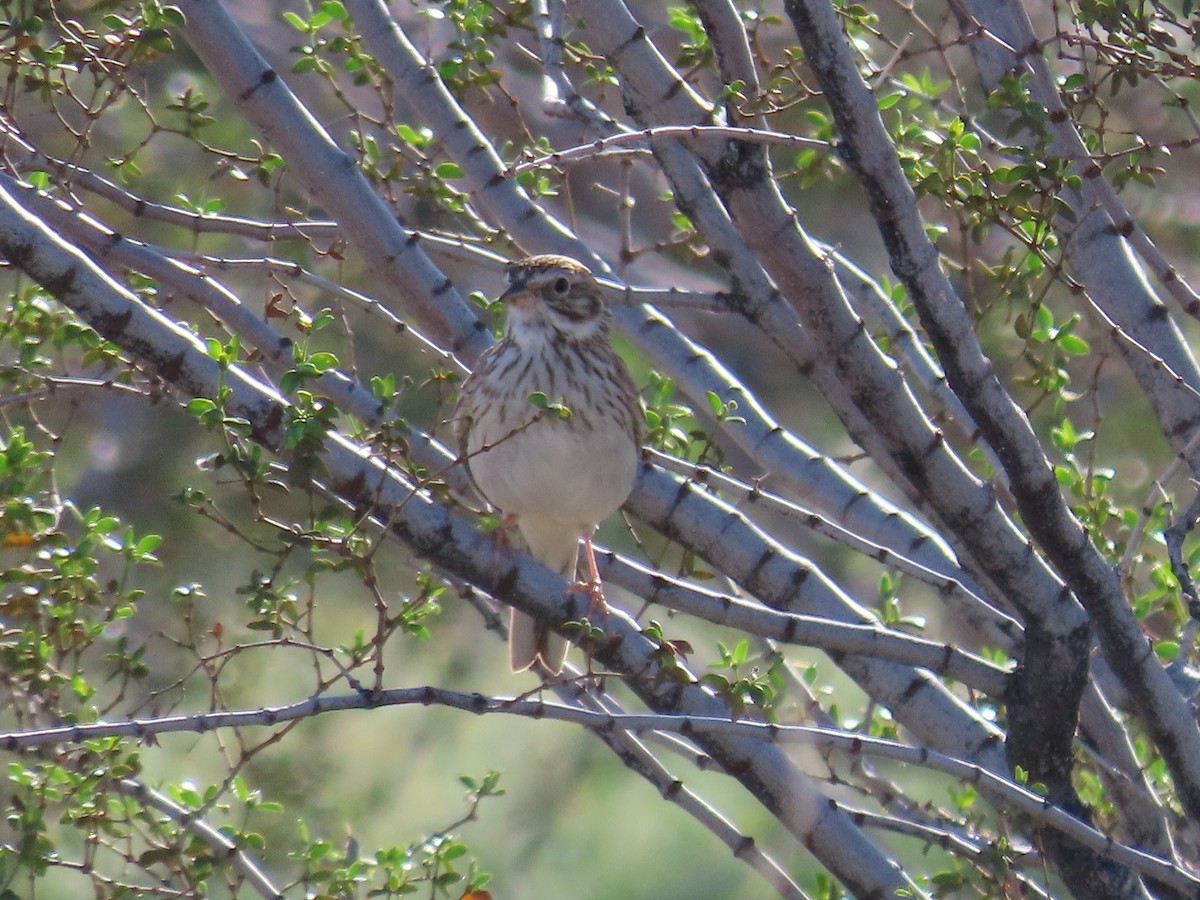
(561, 286)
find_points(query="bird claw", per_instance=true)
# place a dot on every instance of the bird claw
(500, 539)
(595, 591)
(593, 586)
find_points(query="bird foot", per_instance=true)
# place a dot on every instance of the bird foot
(500, 539)
(593, 587)
(595, 591)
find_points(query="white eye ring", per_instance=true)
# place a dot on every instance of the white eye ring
(561, 286)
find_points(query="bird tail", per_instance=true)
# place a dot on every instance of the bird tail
(557, 548)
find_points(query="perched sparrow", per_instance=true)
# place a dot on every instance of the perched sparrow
(557, 475)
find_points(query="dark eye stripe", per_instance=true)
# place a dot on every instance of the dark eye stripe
(576, 307)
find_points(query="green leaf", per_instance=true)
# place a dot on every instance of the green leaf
(1073, 344)
(106, 525)
(334, 9)
(715, 404)
(147, 545)
(541, 401)
(1045, 318)
(323, 361)
(412, 136)
(1166, 650)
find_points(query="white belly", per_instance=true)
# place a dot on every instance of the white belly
(555, 470)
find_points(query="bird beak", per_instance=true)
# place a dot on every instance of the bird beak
(513, 293)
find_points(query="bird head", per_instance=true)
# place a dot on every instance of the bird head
(554, 294)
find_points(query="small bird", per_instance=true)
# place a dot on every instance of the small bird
(557, 469)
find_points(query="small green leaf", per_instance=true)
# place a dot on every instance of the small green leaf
(147, 545)
(323, 361)
(1073, 344)
(1166, 651)
(715, 404)
(334, 9)
(541, 401)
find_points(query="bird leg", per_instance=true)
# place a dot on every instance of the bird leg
(593, 585)
(500, 537)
